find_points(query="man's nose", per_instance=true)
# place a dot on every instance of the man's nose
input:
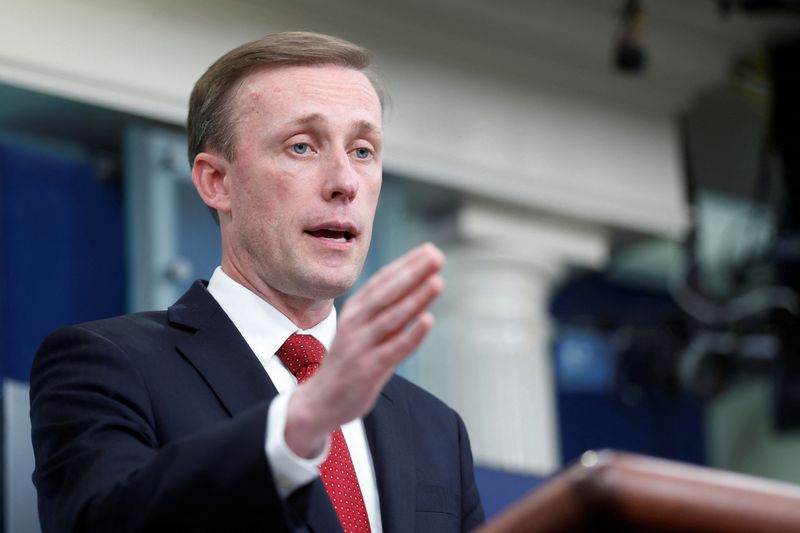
(341, 180)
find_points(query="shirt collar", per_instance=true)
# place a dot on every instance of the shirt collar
(259, 322)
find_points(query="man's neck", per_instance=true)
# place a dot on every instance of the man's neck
(305, 313)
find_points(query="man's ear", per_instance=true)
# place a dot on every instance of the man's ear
(210, 178)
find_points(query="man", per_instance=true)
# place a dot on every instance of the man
(193, 419)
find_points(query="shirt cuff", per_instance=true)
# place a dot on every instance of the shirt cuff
(289, 470)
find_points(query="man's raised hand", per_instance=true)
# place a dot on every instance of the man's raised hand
(379, 327)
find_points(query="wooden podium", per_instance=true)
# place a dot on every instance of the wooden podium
(609, 491)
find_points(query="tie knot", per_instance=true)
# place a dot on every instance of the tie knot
(301, 354)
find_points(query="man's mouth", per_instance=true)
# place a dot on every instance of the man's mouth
(334, 234)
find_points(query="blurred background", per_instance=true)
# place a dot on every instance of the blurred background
(615, 184)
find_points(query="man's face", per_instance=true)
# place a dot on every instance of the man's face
(305, 179)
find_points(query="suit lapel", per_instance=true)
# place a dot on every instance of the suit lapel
(219, 352)
(390, 440)
(221, 355)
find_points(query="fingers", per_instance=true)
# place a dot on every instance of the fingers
(396, 280)
(406, 341)
(403, 262)
(379, 327)
(409, 308)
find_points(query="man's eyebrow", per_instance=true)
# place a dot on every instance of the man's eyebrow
(365, 126)
(368, 127)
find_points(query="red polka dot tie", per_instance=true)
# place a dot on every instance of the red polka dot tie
(301, 354)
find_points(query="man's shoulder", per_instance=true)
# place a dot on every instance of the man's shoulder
(118, 330)
(434, 424)
(143, 321)
(192, 307)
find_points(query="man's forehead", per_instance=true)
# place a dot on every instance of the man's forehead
(282, 87)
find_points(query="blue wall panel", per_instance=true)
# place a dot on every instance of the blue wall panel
(500, 489)
(662, 426)
(62, 246)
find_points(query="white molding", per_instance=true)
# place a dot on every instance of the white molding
(150, 104)
(506, 100)
(518, 235)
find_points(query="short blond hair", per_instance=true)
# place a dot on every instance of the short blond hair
(210, 121)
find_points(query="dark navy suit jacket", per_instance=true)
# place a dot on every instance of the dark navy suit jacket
(156, 422)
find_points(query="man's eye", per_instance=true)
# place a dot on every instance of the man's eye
(300, 148)
(362, 153)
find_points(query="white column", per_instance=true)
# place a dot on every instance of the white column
(489, 354)
(20, 495)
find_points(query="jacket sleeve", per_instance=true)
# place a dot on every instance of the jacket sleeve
(99, 465)
(471, 508)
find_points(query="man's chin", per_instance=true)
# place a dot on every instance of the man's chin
(327, 287)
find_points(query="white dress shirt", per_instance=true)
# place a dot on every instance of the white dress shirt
(265, 329)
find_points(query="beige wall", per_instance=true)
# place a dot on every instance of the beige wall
(551, 140)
